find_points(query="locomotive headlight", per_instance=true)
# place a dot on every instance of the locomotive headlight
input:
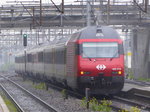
(85, 73)
(81, 72)
(119, 72)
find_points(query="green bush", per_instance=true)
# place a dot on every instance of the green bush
(129, 73)
(64, 94)
(40, 86)
(132, 109)
(104, 106)
(131, 77)
(94, 105)
(9, 104)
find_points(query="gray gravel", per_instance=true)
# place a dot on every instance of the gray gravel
(52, 97)
(25, 101)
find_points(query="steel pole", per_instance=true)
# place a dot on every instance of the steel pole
(88, 13)
(108, 11)
(40, 12)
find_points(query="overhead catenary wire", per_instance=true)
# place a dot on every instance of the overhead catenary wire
(56, 6)
(145, 8)
(29, 12)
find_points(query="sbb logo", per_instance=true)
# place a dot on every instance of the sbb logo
(101, 67)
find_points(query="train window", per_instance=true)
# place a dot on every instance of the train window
(45, 57)
(100, 49)
(19, 59)
(34, 58)
(48, 57)
(60, 56)
(29, 58)
(40, 57)
(22, 60)
(16, 59)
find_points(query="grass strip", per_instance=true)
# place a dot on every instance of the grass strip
(8, 103)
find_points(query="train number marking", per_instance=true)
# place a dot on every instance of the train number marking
(101, 67)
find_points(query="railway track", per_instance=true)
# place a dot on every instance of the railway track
(140, 83)
(128, 102)
(25, 100)
(76, 94)
(19, 109)
(118, 101)
(60, 88)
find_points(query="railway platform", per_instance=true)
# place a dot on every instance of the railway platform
(130, 84)
(3, 107)
(140, 88)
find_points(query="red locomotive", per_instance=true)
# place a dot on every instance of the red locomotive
(92, 57)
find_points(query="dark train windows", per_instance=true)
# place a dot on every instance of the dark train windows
(56, 56)
(29, 58)
(35, 58)
(59, 56)
(20, 59)
(48, 57)
(40, 57)
(15, 59)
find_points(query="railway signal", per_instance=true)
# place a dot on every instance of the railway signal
(25, 39)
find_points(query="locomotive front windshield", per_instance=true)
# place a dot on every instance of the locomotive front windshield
(100, 50)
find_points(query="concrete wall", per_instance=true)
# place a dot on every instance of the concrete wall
(140, 53)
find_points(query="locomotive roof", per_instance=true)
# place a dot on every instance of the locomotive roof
(99, 32)
(91, 32)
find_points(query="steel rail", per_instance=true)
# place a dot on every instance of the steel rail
(140, 83)
(19, 109)
(46, 105)
(142, 96)
(78, 95)
(60, 88)
(115, 108)
(133, 103)
(68, 91)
